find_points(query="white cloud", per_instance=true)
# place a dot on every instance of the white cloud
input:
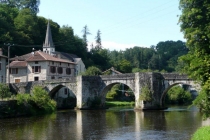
(115, 45)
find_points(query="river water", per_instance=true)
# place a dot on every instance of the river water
(175, 123)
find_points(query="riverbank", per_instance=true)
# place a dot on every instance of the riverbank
(203, 133)
(119, 103)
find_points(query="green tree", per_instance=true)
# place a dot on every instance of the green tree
(194, 22)
(33, 5)
(114, 93)
(7, 29)
(91, 71)
(98, 40)
(4, 91)
(124, 66)
(178, 95)
(85, 32)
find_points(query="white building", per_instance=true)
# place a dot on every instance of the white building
(40, 66)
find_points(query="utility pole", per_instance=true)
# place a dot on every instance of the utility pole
(8, 45)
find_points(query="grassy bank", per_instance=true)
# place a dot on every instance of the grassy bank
(202, 133)
(119, 103)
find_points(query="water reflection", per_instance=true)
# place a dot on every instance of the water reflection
(114, 123)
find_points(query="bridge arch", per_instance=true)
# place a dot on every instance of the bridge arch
(173, 83)
(109, 84)
(63, 95)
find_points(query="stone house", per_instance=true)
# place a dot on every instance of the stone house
(40, 66)
(2, 67)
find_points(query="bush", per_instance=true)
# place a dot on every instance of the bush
(37, 103)
(4, 91)
(146, 94)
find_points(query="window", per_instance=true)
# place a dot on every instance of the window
(60, 70)
(52, 69)
(60, 63)
(36, 62)
(68, 71)
(66, 91)
(36, 78)
(36, 69)
(13, 71)
(53, 77)
(0, 66)
(17, 80)
(52, 62)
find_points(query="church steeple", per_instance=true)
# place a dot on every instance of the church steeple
(48, 46)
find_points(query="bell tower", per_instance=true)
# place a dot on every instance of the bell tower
(48, 46)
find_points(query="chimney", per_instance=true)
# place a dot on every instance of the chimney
(1, 51)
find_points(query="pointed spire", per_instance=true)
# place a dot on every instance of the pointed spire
(48, 39)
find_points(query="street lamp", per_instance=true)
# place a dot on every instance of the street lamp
(8, 45)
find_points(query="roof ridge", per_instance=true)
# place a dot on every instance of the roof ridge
(42, 55)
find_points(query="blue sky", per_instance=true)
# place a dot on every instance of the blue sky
(123, 23)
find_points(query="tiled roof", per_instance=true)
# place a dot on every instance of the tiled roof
(67, 56)
(112, 69)
(3, 56)
(17, 64)
(22, 57)
(42, 56)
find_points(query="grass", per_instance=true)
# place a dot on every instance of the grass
(119, 103)
(203, 133)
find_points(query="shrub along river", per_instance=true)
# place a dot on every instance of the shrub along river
(117, 123)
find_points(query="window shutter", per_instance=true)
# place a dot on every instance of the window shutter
(50, 69)
(39, 68)
(32, 69)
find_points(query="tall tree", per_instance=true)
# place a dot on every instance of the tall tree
(195, 23)
(98, 40)
(85, 32)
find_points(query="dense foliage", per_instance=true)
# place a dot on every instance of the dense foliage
(38, 102)
(91, 71)
(195, 22)
(177, 95)
(4, 91)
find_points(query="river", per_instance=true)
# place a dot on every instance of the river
(119, 123)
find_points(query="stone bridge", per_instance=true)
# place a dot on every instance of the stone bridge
(86, 88)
